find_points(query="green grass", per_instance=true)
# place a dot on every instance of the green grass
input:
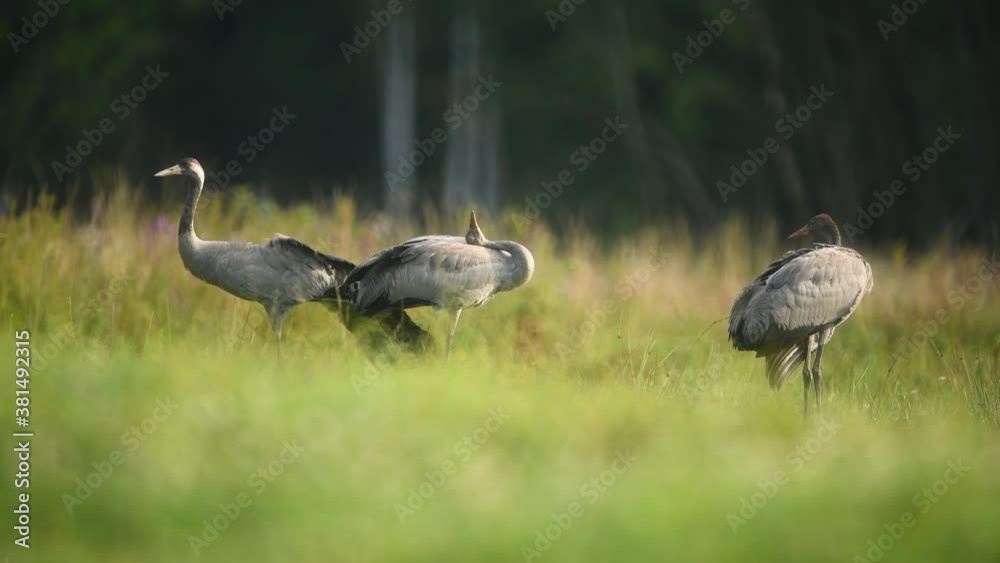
(655, 380)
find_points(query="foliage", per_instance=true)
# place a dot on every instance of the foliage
(228, 69)
(654, 378)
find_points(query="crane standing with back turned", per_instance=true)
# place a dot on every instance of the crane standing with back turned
(793, 308)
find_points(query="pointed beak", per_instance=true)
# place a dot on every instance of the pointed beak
(473, 224)
(172, 171)
(799, 233)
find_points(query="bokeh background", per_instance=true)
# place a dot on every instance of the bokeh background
(616, 347)
(899, 71)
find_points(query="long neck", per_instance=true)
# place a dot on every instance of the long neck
(188, 243)
(830, 234)
(186, 227)
(521, 263)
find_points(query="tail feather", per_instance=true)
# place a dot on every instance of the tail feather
(340, 293)
(781, 363)
(394, 324)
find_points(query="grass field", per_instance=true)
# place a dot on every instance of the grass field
(596, 414)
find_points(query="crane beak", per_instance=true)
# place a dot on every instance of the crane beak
(799, 233)
(172, 171)
(473, 224)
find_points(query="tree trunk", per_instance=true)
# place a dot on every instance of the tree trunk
(399, 80)
(472, 152)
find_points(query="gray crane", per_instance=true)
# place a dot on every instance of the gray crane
(445, 272)
(792, 309)
(279, 274)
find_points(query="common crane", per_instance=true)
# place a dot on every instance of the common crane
(446, 272)
(792, 309)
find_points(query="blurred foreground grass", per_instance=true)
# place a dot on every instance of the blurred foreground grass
(596, 414)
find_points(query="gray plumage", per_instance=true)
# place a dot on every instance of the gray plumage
(447, 272)
(279, 274)
(793, 308)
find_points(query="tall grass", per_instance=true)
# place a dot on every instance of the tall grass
(613, 349)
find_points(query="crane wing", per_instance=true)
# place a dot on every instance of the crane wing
(282, 270)
(438, 271)
(296, 249)
(747, 328)
(799, 294)
(804, 292)
(815, 291)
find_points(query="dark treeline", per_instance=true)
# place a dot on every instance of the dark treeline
(611, 113)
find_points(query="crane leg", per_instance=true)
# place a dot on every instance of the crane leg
(806, 377)
(277, 317)
(277, 338)
(818, 374)
(455, 315)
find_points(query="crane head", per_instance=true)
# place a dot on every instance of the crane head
(821, 227)
(185, 166)
(474, 235)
